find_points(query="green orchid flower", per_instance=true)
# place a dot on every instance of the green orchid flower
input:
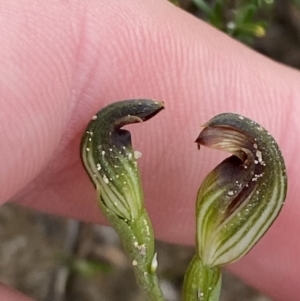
(238, 201)
(111, 164)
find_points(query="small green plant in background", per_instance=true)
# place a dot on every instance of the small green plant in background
(297, 2)
(176, 2)
(85, 267)
(236, 203)
(244, 20)
(239, 19)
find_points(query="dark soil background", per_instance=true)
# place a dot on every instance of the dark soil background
(54, 259)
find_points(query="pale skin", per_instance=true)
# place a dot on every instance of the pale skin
(61, 61)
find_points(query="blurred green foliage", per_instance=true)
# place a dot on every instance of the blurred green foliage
(89, 268)
(244, 20)
(85, 267)
(176, 2)
(241, 19)
(297, 2)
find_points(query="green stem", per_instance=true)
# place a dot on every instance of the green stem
(138, 240)
(201, 283)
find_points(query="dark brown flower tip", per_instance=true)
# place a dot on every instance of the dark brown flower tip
(106, 125)
(242, 137)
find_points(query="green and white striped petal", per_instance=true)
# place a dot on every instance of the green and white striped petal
(111, 163)
(109, 159)
(240, 199)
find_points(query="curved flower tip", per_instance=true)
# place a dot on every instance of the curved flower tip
(109, 159)
(239, 200)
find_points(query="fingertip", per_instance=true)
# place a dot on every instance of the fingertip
(9, 294)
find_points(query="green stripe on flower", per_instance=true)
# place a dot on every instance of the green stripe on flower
(239, 200)
(109, 159)
(111, 163)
